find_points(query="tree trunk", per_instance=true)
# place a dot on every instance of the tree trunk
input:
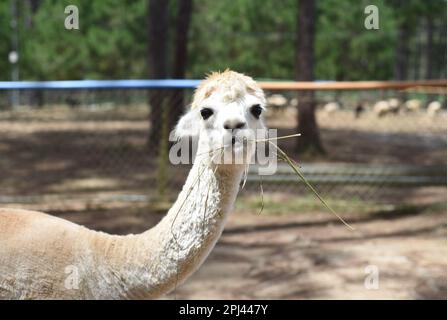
(157, 63)
(180, 58)
(401, 58)
(429, 49)
(36, 98)
(401, 55)
(310, 141)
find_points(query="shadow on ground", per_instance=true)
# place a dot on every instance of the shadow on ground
(312, 256)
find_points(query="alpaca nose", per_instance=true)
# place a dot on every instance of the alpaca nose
(234, 124)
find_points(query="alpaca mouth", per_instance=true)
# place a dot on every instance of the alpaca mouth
(239, 148)
(236, 149)
(236, 144)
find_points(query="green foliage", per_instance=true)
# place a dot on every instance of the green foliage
(257, 37)
(345, 50)
(244, 35)
(5, 40)
(109, 44)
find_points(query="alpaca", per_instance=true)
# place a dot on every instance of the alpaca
(381, 108)
(394, 105)
(434, 108)
(413, 105)
(331, 107)
(45, 257)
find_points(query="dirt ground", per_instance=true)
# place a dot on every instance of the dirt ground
(288, 253)
(63, 155)
(312, 255)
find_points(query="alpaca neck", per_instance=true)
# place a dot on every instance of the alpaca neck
(179, 244)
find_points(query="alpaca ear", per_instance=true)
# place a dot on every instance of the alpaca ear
(188, 125)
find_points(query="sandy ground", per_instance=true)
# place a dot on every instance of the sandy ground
(52, 151)
(293, 256)
(312, 256)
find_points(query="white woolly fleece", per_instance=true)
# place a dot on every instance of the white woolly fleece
(38, 251)
(44, 257)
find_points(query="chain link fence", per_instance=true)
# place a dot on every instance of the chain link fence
(70, 149)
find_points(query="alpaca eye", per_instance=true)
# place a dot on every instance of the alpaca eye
(256, 110)
(206, 113)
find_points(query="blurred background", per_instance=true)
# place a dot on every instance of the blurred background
(96, 152)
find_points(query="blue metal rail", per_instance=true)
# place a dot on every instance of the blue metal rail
(99, 84)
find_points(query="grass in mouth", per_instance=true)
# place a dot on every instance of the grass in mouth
(295, 167)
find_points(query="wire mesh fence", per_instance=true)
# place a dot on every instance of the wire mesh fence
(80, 148)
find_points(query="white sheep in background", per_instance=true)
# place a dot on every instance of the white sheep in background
(434, 108)
(277, 101)
(413, 105)
(293, 102)
(394, 105)
(331, 107)
(381, 108)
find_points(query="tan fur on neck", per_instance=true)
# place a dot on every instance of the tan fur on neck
(39, 252)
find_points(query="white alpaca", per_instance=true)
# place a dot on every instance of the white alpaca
(331, 107)
(394, 105)
(434, 108)
(293, 102)
(381, 108)
(44, 257)
(276, 101)
(413, 105)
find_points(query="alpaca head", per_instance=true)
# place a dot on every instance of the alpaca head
(226, 115)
